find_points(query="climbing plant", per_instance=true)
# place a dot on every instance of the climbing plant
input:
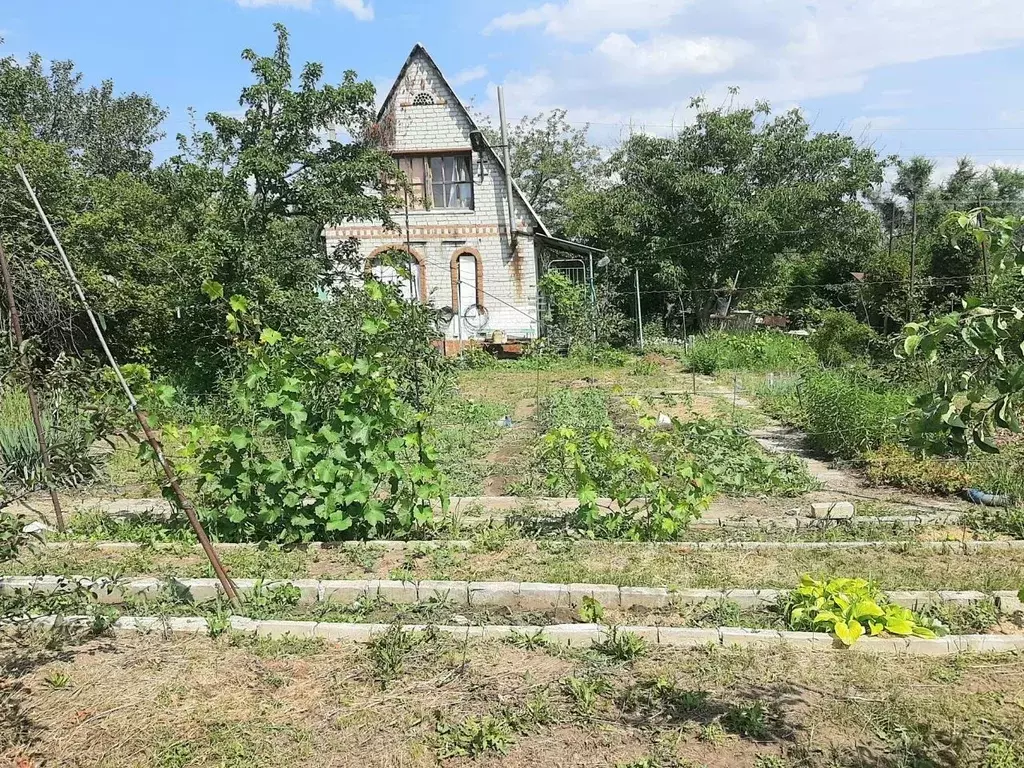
(327, 448)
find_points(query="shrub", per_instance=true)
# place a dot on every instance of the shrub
(737, 463)
(841, 338)
(849, 414)
(849, 608)
(894, 465)
(573, 320)
(751, 351)
(657, 491)
(329, 449)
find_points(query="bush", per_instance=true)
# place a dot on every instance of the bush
(657, 490)
(752, 351)
(894, 465)
(849, 414)
(841, 338)
(328, 450)
(572, 319)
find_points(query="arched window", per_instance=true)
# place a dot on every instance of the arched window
(386, 265)
(467, 280)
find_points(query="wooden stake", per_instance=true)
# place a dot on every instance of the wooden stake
(140, 415)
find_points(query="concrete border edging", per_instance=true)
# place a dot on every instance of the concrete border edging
(566, 634)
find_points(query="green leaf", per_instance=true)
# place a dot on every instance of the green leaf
(899, 626)
(239, 304)
(213, 290)
(240, 438)
(270, 337)
(848, 633)
(910, 345)
(339, 521)
(231, 321)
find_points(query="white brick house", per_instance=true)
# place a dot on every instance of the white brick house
(458, 233)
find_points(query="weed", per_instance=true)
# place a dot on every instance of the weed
(585, 410)
(975, 617)
(539, 709)
(278, 647)
(770, 761)
(849, 413)
(217, 624)
(58, 680)
(528, 641)
(473, 737)
(177, 754)
(662, 698)
(1002, 754)
(494, 538)
(585, 693)
(757, 351)
(264, 602)
(365, 556)
(644, 367)
(749, 720)
(591, 610)
(622, 646)
(712, 733)
(389, 651)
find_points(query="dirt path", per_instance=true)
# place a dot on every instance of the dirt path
(510, 455)
(838, 483)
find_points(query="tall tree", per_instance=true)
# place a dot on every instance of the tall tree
(720, 205)
(551, 162)
(105, 133)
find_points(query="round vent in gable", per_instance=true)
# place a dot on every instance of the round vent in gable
(422, 99)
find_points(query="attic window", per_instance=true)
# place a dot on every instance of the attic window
(422, 99)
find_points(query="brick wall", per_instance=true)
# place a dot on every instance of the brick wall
(509, 285)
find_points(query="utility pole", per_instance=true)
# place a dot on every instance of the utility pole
(507, 157)
(913, 259)
(984, 248)
(33, 403)
(639, 317)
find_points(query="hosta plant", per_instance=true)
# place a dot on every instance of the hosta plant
(851, 608)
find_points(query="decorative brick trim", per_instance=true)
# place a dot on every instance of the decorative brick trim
(369, 264)
(466, 251)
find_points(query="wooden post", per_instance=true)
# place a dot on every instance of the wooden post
(140, 415)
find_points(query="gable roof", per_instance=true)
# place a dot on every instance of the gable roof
(419, 50)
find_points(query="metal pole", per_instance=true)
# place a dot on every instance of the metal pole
(913, 262)
(507, 157)
(984, 249)
(44, 448)
(593, 293)
(140, 415)
(639, 317)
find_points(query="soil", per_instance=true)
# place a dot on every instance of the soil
(154, 702)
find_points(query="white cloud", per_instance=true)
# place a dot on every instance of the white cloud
(359, 8)
(638, 63)
(468, 75)
(577, 19)
(669, 55)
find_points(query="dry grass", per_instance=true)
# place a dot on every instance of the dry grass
(623, 563)
(173, 703)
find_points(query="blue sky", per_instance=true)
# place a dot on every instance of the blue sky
(936, 77)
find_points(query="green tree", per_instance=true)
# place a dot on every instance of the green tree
(105, 133)
(984, 392)
(726, 200)
(551, 162)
